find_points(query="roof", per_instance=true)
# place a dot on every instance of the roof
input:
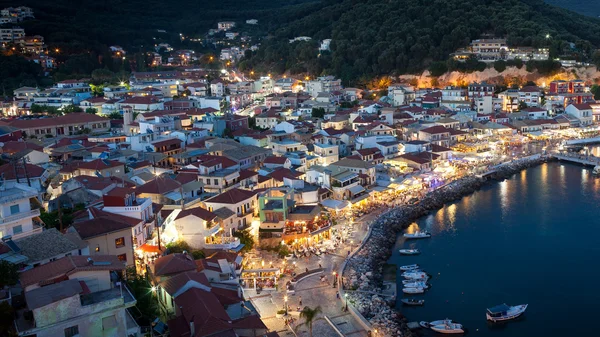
(275, 160)
(281, 173)
(141, 100)
(198, 212)
(43, 296)
(99, 164)
(159, 185)
(173, 264)
(44, 245)
(33, 171)
(436, 129)
(103, 223)
(584, 106)
(167, 142)
(353, 163)
(72, 118)
(530, 88)
(233, 196)
(69, 265)
(173, 284)
(17, 146)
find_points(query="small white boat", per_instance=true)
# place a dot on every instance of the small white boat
(596, 170)
(416, 284)
(448, 328)
(505, 312)
(415, 275)
(418, 235)
(408, 281)
(440, 322)
(413, 290)
(409, 267)
(410, 252)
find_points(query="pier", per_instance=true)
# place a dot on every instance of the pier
(584, 141)
(579, 159)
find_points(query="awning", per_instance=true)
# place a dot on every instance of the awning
(356, 189)
(334, 204)
(150, 249)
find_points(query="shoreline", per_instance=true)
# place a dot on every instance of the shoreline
(364, 271)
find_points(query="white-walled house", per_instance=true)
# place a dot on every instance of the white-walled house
(241, 202)
(583, 112)
(17, 219)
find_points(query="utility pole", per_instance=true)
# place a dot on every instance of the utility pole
(26, 173)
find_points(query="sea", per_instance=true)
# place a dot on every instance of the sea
(585, 7)
(531, 239)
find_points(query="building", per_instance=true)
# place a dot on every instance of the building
(225, 25)
(17, 219)
(489, 50)
(11, 35)
(583, 112)
(241, 202)
(480, 89)
(76, 296)
(69, 124)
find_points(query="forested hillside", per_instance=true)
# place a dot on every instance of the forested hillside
(374, 37)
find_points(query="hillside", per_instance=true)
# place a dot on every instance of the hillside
(585, 7)
(376, 37)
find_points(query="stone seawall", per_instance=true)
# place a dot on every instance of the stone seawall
(365, 268)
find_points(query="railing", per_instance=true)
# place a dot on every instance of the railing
(224, 243)
(20, 215)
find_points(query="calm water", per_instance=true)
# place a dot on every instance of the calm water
(534, 238)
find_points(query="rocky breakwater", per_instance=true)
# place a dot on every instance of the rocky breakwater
(364, 270)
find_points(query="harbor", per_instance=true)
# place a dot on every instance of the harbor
(488, 249)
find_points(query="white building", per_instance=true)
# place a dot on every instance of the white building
(17, 219)
(583, 112)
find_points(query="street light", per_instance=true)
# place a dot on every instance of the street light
(285, 298)
(346, 296)
(334, 279)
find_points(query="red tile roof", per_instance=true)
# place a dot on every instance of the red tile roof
(100, 164)
(102, 223)
(198, 212)
(12, 147)
(436, 129)
(159, 185)
(173, 284)
(584, 106)
(245, 174)
(232, 196)
(68, 119)
(28, 170)
(275, 160)
(281, 173)
(166, 142)
(45, 274)
(141, 100)
(173, 264)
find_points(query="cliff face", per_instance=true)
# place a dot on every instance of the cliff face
(511, 75)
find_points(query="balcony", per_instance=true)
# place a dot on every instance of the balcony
(21, 215)
(108, 296)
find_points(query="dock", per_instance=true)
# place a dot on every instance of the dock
(584, 141)
(579, 159)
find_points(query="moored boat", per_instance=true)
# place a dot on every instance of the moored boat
(412, 301)
(410, 280)
(505, 312)
(409, 267)
(417, 235)
(416, 284)
(424, 324)
(413, 290)
(409, 251)
(415, 275)
(448, 328)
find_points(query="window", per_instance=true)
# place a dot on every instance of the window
(14, 209)
(72, 331)
(120, 242)
(18, 229)
(122, 257)
(216, 181)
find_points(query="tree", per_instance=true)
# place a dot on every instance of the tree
(595, 89)
(9, 274)
(6, 320)
(92, 111)
(146, 302)
(115, 115)
(309, 316)
(178, 247)
(500, 66)
(318, 112)
(198, 254)
(71, 108)
(522, 105)
(102, 76)
(246, 239)
(438, 69)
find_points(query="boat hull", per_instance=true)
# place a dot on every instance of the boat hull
(509, 315)
(441, 329)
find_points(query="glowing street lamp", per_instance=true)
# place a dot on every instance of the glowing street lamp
(346, 296)
(285, 298)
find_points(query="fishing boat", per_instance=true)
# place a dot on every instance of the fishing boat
(505, 312)
(410, 252)
(415, 275)
(412, 301)
(409, 267)
(440, 322)
(448, 328)
(405, 282)
(413, 290)
(418, 235)
(416, 284)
